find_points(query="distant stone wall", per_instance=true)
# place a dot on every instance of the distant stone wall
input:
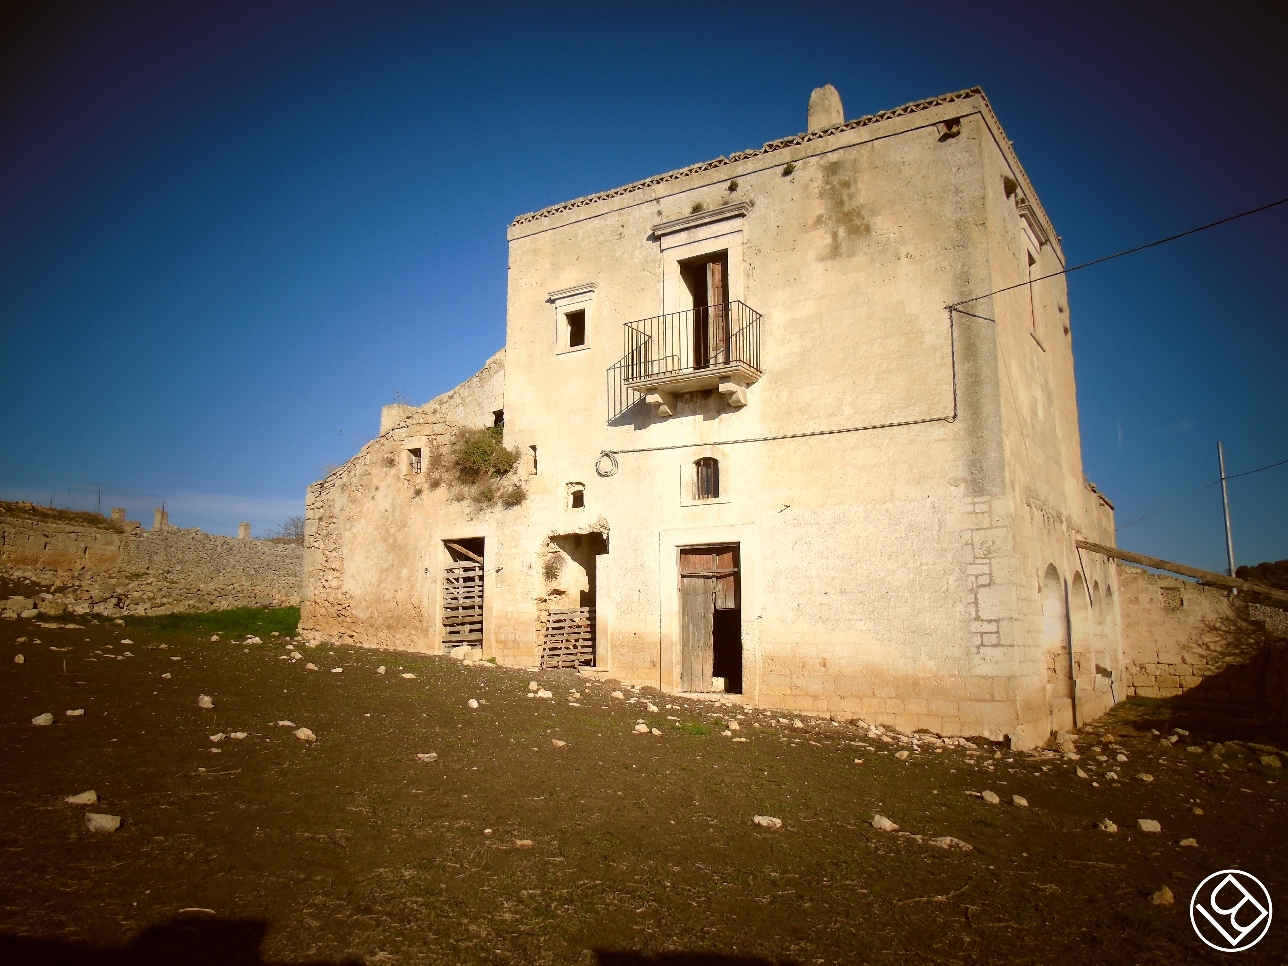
(1180, 637)
(120, 568)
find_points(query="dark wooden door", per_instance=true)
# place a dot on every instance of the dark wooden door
(718, 311)
(697, 613)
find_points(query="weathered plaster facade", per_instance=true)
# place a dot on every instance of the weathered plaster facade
(903, 483)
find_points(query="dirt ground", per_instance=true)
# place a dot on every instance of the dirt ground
(612, 848)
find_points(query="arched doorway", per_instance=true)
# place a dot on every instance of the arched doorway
(1057, 650)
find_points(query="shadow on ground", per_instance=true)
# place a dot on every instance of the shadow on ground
(188, 941)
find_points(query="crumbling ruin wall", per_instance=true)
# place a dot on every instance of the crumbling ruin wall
(374, 528)
(1180, 637)
(117, 568)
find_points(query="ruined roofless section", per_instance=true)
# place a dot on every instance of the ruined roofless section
(750, 452)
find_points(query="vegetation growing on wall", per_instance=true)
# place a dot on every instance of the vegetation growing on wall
(479, 454)
(474, 466)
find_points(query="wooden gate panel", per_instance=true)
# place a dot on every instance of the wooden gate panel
(697, 615)
(569, 638)
(462, 604)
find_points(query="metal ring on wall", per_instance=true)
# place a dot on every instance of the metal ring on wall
(610, 469)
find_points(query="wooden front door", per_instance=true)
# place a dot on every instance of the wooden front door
(708, 583)
(697, 613)
(718, 311)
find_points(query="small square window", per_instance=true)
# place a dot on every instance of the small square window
(576, 496)
(414, 464)
(576, 322)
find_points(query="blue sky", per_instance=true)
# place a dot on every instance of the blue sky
(230, 232)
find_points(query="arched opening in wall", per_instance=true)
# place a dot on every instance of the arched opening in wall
(1055, 638)
(1080, 622)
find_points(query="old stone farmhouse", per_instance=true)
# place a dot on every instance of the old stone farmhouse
(759, 453)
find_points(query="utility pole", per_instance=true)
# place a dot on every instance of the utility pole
(1225, 501)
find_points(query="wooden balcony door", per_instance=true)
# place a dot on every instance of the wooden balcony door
(708, 281)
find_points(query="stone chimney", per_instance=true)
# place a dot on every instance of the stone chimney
(825, 109)
(118, 514)
(243, 531)
(160, 519)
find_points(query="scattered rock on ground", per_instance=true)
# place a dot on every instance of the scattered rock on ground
(990, 797)
(1163, 897)
(427, 757)
(1020, 800)
(948, 842)
(1148, 825)
(1105, 825)
(84, 798)
(767, 821)
(381, 669)
(310, 666)
(78, 713)
(97, 822)
(903, 755)
(523, 843)
(217, 738)
(618, 695)
(43, 719)
(409, 676)
(304, 734)
(1271, 761)
(883, 824)
(1192, 843)
(204, 701)
(19, 659)
(473, 703)
(642, 728)
(557, 743)
(238, 735)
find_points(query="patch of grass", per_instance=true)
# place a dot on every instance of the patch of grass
(236, 622)
(30, 511)
(694, 728)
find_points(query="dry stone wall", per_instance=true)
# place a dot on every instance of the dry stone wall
(1180, 637)
(113, 568)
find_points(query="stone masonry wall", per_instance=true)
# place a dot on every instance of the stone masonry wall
(1181, 637)
(113, 570)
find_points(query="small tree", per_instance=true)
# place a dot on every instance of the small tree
(292, 528)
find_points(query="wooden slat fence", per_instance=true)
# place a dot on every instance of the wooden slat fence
(462, 604)
(569, 638)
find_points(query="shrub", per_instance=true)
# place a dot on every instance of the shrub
(479, 454)
(513, 496)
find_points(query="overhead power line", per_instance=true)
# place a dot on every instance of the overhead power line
(1129, 251)
(1201, 489)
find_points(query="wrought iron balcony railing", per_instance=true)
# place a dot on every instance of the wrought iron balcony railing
(712, 347)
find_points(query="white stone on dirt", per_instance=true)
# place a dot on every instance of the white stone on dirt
(555, 742)
(84, 798)
(1105, 825)
(1019, 801)
(883, 824)
(381, 669)
(1080, 773)
(126, 640)
(948, 842)
(78, 713)
(1121, 757)
(1145, 778)
(726, 733)
(1163, 897)
(41, 720)
(1190, 843)
(1111, 776)
(543, 693)
(798, 723)
(252, 640)
(472, 703)
(618, 695)
(296, 655)
(990, 797)
(427, 757)
(767, 821)
(534, 686)
(903, 755)
(166, 675)
(733, 725)
(238, 735)
(523, 843)
(655, 733)
(310, 666)
(642, 728)
(286, 724)
(204, 701)
(214, 638)
(1271, 761)
(409, 676)
(304, 734)
(337, 670)
(1065, 742)
(96, 822)
(217, 738)
(19, 659)
(1148, 825)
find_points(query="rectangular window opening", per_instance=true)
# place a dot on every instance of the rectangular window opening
(707, 479)
(414, 464)
(576, 496)
(576, 321)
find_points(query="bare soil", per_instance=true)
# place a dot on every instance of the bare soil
(616, 848)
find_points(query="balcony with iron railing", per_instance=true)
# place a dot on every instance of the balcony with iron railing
(710, 347)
